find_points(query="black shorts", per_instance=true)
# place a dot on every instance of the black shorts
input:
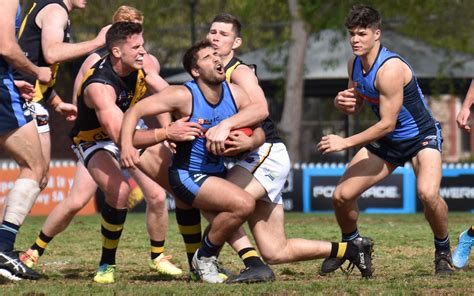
(399, 152)
(11, 106)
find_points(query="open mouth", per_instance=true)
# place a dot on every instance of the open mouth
(220, 69)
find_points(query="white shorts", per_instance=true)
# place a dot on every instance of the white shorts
(40, 114)
(86, 150)
(270, 165)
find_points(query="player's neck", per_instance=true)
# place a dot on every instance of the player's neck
(68, 5)
(226, 59)
(121, 69)
(212, 92)
(368, 59)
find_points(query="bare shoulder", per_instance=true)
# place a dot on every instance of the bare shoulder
(392, 71)
(52, 13)
(239, 94)
(243, 73)
(151, 64)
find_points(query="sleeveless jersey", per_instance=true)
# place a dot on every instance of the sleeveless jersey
(415, 116)
(29, 38)
(271, 133)
(193, 155)
(128, 91)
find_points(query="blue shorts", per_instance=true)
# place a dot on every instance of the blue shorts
(399, 152)
(11, 106)
(186, 184)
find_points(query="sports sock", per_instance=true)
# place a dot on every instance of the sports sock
(250, 257)
(470, 232)
(208, 249)
(350, 236)
(41, 243)
(189, 224)
(442, 244)
(112, 226)
(8, 233)
(157, 248)
(344, 250)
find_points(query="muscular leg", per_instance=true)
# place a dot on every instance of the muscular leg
(364, 170)
(45, 147)
(427, 166)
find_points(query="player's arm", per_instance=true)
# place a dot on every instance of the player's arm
(390, 82)
(238, 142)
(102, 98)
(216, 136)
(53, 19)
(9, 48)
(173, 98)
(465, 112)
(86, 65)
(349, 101)
(155, 83)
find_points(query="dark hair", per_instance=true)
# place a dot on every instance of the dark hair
(363, 16)
(190, 56)
(227, 18)
(120, 31)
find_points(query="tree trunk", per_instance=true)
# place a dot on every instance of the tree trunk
(292, 109)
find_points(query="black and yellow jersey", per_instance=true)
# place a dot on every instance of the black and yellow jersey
(271, 132)
(29, 38)
(128, 90)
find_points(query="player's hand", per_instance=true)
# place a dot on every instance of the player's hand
(215, 138)
(26, 90)
(331, 143)
(346, 100)
(237, 143)
(462, 119)
(44, 74)
(170, 145)
(69, 111)
(183, 130)
(101, 36)
(129, 156)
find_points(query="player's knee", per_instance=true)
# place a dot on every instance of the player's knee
(245, 207)
(157, 198)
(272, 257)
(117, 196)
(76, 204)
(341, 196)
(428, 194)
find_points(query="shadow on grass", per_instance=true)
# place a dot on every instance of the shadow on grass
(156, 278)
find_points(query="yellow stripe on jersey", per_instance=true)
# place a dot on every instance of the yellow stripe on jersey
(263, 158)
(229, 71)
(23, 23)
(140, 88)
(41, 88)
(94, 135)
(87, 75)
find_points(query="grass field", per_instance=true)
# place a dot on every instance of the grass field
(403, 261)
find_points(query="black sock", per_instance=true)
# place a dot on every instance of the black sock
(208, 249)
(8, 233)
(470, 232)
(250, 257)
(41, 243)
(344, 250)
(157, 248)
(189, 224)
(350, 236)
(112, 226)
(442, 245)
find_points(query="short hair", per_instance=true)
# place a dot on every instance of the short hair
(228, 18)
(190, 56)
(120, 31)
(127, 14)
(363, 16)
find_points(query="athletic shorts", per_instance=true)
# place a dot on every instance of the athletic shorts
(270, 165)
(40, 114)
(11, 110)
(186, 184)
(399, 152)
(86, 150)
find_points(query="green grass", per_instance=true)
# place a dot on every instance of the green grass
(403, 261)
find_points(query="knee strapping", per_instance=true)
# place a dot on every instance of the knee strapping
(20, 200)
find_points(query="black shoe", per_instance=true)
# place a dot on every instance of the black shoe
(443, 263)
(330, 265)
(13, 269)
(253, 274)
(363, 259)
